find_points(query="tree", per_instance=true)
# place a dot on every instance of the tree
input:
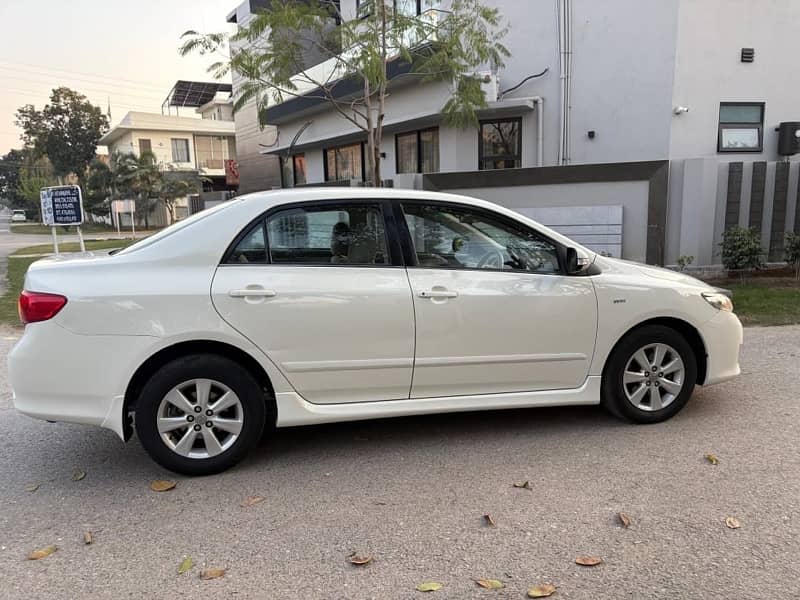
(10, 166)
(66, 131)
(98, 188)
(137, 177)
(172, 187)
(439, 45)
(33, 176)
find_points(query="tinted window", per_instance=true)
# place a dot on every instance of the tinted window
(456, 238)
(251, 249)
(331, 234)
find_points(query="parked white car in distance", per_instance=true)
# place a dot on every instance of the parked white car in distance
(18, 215)
(314, 306)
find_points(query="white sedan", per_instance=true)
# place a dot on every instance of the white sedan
(299, 307)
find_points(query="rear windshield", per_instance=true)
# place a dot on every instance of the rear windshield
(175, 227)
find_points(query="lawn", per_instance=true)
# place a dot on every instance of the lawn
(18, 266)
(38, 228)
(767, 303)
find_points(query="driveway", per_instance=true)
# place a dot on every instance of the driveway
(412, 493)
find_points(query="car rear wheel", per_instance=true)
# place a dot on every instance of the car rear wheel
(650, 375)
(200, 414)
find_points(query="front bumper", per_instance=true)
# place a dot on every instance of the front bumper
(723, 336)
(57, 375)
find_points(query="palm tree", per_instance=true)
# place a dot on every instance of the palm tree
(139, 177)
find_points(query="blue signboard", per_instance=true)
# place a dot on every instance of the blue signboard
(62, 205)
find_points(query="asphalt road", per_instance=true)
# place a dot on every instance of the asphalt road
(412, 492)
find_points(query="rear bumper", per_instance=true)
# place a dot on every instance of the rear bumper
(723, 338)
(57, 375)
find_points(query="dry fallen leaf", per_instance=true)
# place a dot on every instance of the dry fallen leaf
(211, 573)
(588, 561)
(732, 523)
(162, 485)
(32, 488)
(624, 519)
(77, 475)
(88, 538)
(360, 559)
(44, 552)
(251, 500)
(487, 518)
(542, 591)
(526, 485)
(490, 584)
(712, 458)
(185, 565)
(429, 586)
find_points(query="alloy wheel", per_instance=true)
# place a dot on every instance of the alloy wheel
(653, 377)
(200, 418)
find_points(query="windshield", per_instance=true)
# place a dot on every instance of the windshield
(175, 227)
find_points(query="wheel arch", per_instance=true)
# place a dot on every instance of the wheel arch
(686, 329)
(165, 355)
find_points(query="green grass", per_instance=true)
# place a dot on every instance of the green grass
(17, 268)
(38, 228)
(767, 304)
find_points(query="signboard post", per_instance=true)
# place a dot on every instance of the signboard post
(62, 205)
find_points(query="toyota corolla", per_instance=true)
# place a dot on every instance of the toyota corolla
(291, 308)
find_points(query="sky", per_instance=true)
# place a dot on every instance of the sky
(116, 50)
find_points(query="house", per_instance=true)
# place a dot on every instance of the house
(655, 120)
(199, 148)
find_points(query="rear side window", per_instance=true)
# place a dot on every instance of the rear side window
(331, 234)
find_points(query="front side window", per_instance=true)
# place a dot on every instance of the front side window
(447, 237)
(251, 249)
(500, 144)
(346, 234)
(418, 151)
(344, 162)
(741, 127)
(180, 150)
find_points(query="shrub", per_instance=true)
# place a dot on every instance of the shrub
(684, 261)
(741, 249)
(793, 252)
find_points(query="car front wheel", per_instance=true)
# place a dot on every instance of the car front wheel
(650, 375)
(200, 414)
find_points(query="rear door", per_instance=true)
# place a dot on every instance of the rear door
(321, 289)
(494, 311)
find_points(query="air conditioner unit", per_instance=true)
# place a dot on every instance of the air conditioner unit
(490, 84)
(388, 183)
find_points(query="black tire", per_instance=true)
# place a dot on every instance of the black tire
(613, 397)
(200, 366)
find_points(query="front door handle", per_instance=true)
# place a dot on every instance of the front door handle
(252, 293)
(438, 294)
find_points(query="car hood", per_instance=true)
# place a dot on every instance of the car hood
(635, 268)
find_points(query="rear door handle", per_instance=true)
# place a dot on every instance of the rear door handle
(438, 294)
(252, 293)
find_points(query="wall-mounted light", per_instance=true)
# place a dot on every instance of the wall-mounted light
(679, 110)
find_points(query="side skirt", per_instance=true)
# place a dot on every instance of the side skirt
(294, 411)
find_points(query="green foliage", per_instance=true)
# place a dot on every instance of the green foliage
(33, 176)
(97, 188)
(10, 167)
(684, 261)
(793, 252)
(66, 131)
(270, 53)
(741, 249)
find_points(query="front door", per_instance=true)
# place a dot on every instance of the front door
(494, 313)
(319, 290)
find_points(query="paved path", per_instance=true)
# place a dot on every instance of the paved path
(412, 493)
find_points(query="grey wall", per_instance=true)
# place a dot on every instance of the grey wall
(711, 34)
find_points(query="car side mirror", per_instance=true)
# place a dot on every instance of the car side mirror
(573, 268)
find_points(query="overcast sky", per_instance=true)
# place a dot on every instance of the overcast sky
(117, 49)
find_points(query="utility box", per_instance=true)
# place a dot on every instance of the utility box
(789, 138)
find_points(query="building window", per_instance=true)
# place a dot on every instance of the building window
(500, 144)
(741, 127)
(417, 151)
(145, 146)
(408, 8)
(180, 150)
(364, 8)
(344, 163)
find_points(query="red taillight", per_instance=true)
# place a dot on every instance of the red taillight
(38, 306)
